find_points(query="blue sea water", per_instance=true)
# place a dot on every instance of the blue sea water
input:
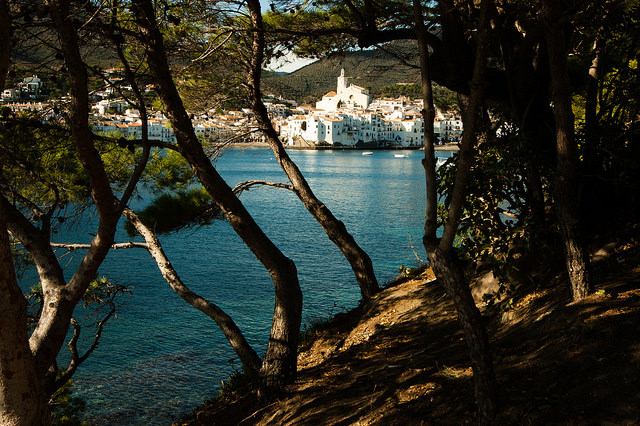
(160, 357)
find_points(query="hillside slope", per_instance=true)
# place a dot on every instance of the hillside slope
(401, 359)
(373, 69)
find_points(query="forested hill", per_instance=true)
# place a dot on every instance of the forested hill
(378, 71)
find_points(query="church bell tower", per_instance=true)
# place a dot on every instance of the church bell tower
(342, 82)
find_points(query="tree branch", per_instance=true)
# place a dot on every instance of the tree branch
(245, 186)
(73, 247)
(469, 139)
(146, 147)
(36, 242)
(247, 355)
(76, 360)
(152, 143)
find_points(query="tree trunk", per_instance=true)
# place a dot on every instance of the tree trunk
(567, 187)
(22, 400)
(52, 325)
(429, 114)
(449, 271)
(60, 299)
(248, 357)
(280, 361)
(442, 258)
(358, 259)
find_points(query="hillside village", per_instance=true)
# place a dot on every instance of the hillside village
(346, 117)
(349, 117)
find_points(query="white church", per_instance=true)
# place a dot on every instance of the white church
(347, 96)
(349, 117)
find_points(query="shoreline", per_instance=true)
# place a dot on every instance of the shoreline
(446, 147)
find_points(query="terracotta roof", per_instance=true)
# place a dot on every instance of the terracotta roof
(331, 119)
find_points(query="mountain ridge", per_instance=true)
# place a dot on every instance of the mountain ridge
(372, 69)
(379, 71)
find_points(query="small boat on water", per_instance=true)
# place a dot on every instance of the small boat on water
(401, 155)
(367, 153)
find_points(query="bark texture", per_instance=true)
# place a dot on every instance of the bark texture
(60, 298)
(280, 360)
(22, 399)
(335, 229)
(442, 257)
(429, 114)
(567, 182)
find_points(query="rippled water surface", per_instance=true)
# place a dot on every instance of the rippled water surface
(160, 357)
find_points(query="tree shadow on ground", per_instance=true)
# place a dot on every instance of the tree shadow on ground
(401, 360)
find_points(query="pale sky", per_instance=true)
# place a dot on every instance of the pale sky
(289, 63)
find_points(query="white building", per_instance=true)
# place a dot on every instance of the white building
(352, 128)
(10, 95)
(346, 96)
(409, 132)
(157, 130)
(106, 106)
(347, 117)
(30, 87)
(450, 128)
(29, 106)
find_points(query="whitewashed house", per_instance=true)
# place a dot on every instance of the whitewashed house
(10, 95)
(342, 118)
(450, 128)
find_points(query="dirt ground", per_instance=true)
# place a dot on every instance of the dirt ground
(401, 359)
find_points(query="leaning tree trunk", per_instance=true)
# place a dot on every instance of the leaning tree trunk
(248, 357)
(336, 231)
(22, 399)
(279, 364)
(59, 298)
(442, 257)
(567, 185)
(450, 273)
